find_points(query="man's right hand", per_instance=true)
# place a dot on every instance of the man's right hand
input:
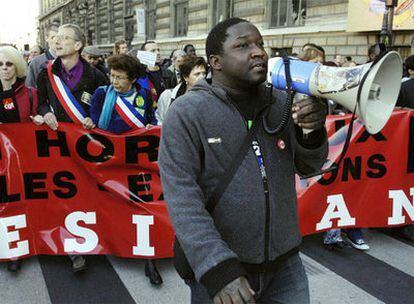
(51, 121)
(236, 292)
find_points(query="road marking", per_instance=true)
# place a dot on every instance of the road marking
(374, 276)
(98, 284)
(24, 287)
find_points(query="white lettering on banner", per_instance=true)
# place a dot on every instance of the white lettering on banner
(143, 235)
(6, 237)
(399, 202)
(336, 210)
(91, 238)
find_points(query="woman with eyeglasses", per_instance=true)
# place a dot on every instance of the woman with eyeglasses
(123, 105)
(18, 103)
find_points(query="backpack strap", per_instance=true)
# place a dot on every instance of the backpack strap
(226, 178)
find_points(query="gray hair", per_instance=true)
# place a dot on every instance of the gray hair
(79, 35)
(178, 53)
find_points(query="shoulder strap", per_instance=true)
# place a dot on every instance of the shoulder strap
(226, 178)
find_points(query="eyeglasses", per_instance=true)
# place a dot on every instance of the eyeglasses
(117, 78)
(7, 63)
(63, 37)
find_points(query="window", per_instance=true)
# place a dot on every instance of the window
(128, 8)
(150, 19)
(150, 24)
(287, 13)
(129, 30)
(181, 18)
(222, 10)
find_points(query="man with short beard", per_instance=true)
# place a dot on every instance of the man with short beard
(246, 248)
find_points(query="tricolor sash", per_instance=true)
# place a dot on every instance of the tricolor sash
(65, 97)
(129, 114)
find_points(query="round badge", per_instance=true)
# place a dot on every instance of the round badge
(281, 144)
(139, 101)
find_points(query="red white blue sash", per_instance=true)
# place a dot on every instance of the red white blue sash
(65, 97)
(129, 114)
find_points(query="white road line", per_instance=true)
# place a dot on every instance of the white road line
(391, 251)
(131, 273)
(24, 287)
(327, 287)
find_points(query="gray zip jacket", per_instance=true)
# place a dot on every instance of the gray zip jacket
(200, 135)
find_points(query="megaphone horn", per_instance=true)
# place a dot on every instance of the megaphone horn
(378, 94)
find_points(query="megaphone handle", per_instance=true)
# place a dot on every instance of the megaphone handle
(296, 98)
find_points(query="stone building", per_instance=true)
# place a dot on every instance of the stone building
(286, 25)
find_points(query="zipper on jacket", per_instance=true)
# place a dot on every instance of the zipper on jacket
(260, 157)
(265, 187)
(267, 223)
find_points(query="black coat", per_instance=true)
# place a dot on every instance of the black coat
(406, 97)
(91, 79)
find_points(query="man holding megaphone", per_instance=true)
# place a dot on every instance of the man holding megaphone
(229, 152)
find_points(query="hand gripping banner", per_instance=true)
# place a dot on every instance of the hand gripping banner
(73, 191)
(92, 192)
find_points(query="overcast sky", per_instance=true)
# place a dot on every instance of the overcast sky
(18, 21)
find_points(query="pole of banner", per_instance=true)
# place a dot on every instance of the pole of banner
(387, 22)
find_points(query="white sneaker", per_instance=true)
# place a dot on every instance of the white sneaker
(358, 244)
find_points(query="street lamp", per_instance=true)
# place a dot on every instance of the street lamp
(387, 21)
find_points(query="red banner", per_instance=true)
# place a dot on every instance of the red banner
(374, 186)
(86, 192)
(75, 191)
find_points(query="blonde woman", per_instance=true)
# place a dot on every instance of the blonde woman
(18, 102)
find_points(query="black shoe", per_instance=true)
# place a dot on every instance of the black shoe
(78, 263)
(14, 266)
(152, 273)
(338, 245)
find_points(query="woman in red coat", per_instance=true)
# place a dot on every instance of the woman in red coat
(17, 102)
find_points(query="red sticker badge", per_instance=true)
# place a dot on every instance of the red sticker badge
(281, 144)
(8, 104)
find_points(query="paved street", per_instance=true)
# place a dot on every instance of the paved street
(384, 274)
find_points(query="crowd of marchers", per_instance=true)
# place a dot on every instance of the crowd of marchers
(208, 110)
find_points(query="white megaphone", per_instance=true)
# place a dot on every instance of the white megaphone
(379, 91)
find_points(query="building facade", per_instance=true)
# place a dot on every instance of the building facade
(286, 25)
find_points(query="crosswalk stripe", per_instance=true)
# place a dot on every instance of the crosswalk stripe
(391, 251)
(98, 284)
(24, 287)
(327, 287)
(131, 272)
(384, 274)
(376, 277)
